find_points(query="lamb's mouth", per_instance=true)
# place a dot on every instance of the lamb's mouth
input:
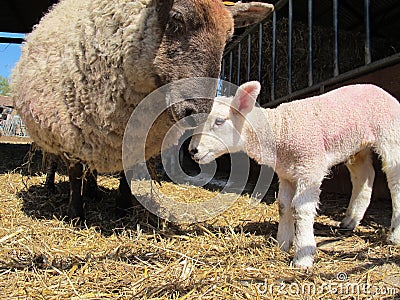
(205, 159)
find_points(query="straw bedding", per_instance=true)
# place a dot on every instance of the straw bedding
(233, 256)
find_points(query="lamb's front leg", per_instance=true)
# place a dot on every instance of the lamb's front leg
(286, 221)
(305, 202)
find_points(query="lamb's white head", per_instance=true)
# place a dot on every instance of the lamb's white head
(222, 131)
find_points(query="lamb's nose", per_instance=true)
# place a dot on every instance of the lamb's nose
(193, 151)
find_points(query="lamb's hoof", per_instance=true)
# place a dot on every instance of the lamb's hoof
(349, 223)
(305, 262)
(285, 246)
(394, 238)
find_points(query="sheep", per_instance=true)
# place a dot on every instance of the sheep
(302, 140)
(88, 63)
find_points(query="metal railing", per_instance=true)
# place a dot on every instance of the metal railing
(13, 127)
(240, 57)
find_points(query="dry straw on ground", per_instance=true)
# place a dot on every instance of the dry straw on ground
(233, 256)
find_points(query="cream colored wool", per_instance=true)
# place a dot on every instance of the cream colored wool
(75, 85)
(88, 63)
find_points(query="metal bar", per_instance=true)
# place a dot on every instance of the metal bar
(290, 33)
(248, 56)
(251, 29)
(280, 4)
(360, 71)
(273, 62)
(310, 43)
(239, 62)
(260, 36)
(223, 69)
(336, 46)
(230, 66)
(8, 40)
(367, 33)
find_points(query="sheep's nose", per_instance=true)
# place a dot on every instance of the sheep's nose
(193, 151)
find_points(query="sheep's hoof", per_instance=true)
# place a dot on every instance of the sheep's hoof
(50, 188)
(92, 194)
(349, 223)
(75, 212)
(91, 190)
(124, 203)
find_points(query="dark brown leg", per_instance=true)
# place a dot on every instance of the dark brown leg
(75, 206)
(51, 168)
(125, 199)
(91, 188)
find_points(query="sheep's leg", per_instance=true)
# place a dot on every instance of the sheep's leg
(392, 170)
(51, 169)
(75, 206)
(91, 188)
(305, 202)
(125, 199)
(362, 176)
(286, 221)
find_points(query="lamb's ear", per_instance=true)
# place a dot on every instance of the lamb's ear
(246, 14)
(245, 97)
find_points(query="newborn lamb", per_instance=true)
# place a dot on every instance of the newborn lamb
(302, 140)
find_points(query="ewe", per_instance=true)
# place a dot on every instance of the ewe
(89, 63)
(302, 140)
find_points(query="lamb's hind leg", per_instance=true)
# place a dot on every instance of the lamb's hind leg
(391, 166)
(286, 221)
(362, 176)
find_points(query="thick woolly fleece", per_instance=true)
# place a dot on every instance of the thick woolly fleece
(75, 85)
(302, 140)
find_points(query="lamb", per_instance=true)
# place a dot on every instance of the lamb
(88, 63)
(302, 140)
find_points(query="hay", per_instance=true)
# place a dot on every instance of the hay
(233, 256)
(351, 56)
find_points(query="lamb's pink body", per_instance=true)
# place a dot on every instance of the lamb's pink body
(329, 128)
(302, 140)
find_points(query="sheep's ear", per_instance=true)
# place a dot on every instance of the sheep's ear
(246, 14)
(246, 96)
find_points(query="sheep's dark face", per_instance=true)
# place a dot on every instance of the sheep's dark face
(194, 36)
(192, 45)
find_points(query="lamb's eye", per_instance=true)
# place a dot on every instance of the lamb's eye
(176, 23)
(219, 121)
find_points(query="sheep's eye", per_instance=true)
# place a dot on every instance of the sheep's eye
(219, 121)
(229, 35)
(176, 23)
